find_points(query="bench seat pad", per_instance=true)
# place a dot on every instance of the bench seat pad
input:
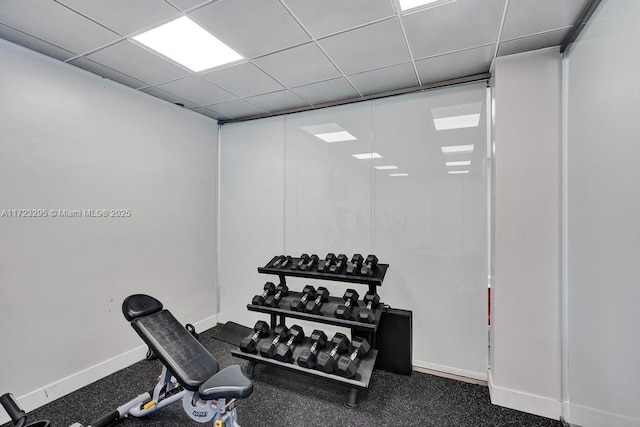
(229, 383)
(187, 360)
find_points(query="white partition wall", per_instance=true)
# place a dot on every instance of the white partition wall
(310, 194)
(71, 140)
(603, 233)
(526, 337)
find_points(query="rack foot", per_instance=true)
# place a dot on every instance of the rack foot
(250, 370)
(352, 398)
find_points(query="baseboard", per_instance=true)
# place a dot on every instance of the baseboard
(525, 402)
(583, 416)
(449, 372)
(60, 388)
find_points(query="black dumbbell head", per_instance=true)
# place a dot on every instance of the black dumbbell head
(344, 312)
(261, 327)
(360, 344)
(326, 361)
(284, 352)
(312, 307)
(346, 367)
(330, 257)
(357, 259)
(374, 299)
(269, 349)
(297, 304)
(308, 359)
(249, 344)
(318, 336)
(269, 288)
(272, 301)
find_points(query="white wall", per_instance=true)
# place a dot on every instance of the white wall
(526, 338)
(603, 236)
(283, 190)
(72, 140)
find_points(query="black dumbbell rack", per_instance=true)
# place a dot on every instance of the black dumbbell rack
(326, 316)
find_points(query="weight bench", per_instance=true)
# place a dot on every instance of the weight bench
(189, 373)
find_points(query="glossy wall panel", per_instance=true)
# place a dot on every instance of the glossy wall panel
(430, 225)
(603, 234)
(328, 191)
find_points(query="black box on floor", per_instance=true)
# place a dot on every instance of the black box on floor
(393, 341)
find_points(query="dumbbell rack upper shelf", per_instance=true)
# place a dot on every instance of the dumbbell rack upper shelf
(375, 280)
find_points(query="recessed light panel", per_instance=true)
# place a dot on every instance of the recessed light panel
(366, 156)
(398, 174)
(410, 4)
(457, 172)
(457, 149)
(187, 43)
(384, 168)
(461, 163)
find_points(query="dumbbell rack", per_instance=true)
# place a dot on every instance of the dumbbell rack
(326, 316)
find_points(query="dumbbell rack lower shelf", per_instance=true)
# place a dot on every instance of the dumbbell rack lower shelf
(360, 381)
(326, 316)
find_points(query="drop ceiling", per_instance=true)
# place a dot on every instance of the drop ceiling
(298, 53)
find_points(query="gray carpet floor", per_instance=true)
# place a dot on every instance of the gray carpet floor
(283, 398)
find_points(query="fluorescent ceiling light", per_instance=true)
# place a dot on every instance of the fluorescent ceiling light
(461, 163)
(398, 174)
(365, 156)
(457, 172)
(457, 149)
(336, 136)
(187, 43)
(457, 122)
(410, 4)
(384, 168)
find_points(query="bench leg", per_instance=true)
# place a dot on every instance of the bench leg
(352, 398)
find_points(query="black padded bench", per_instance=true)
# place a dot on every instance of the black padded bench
(185, 358)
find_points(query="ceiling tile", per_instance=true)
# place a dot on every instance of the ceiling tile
(125, 16)
(539, 41)
(444, 28)
(188, 4)
(276, 101)
(457, 64)
(326, 17)
(210, 113)
(525, 17)
(55, 24)
(235, 109)
(251, 27)
(384, 79)
(243, 80)
(299, 66)
(198, 90)
(166, 96)
(330, 90)
(30, 42)
(138, 63)
(366, 48)
(107, 72)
